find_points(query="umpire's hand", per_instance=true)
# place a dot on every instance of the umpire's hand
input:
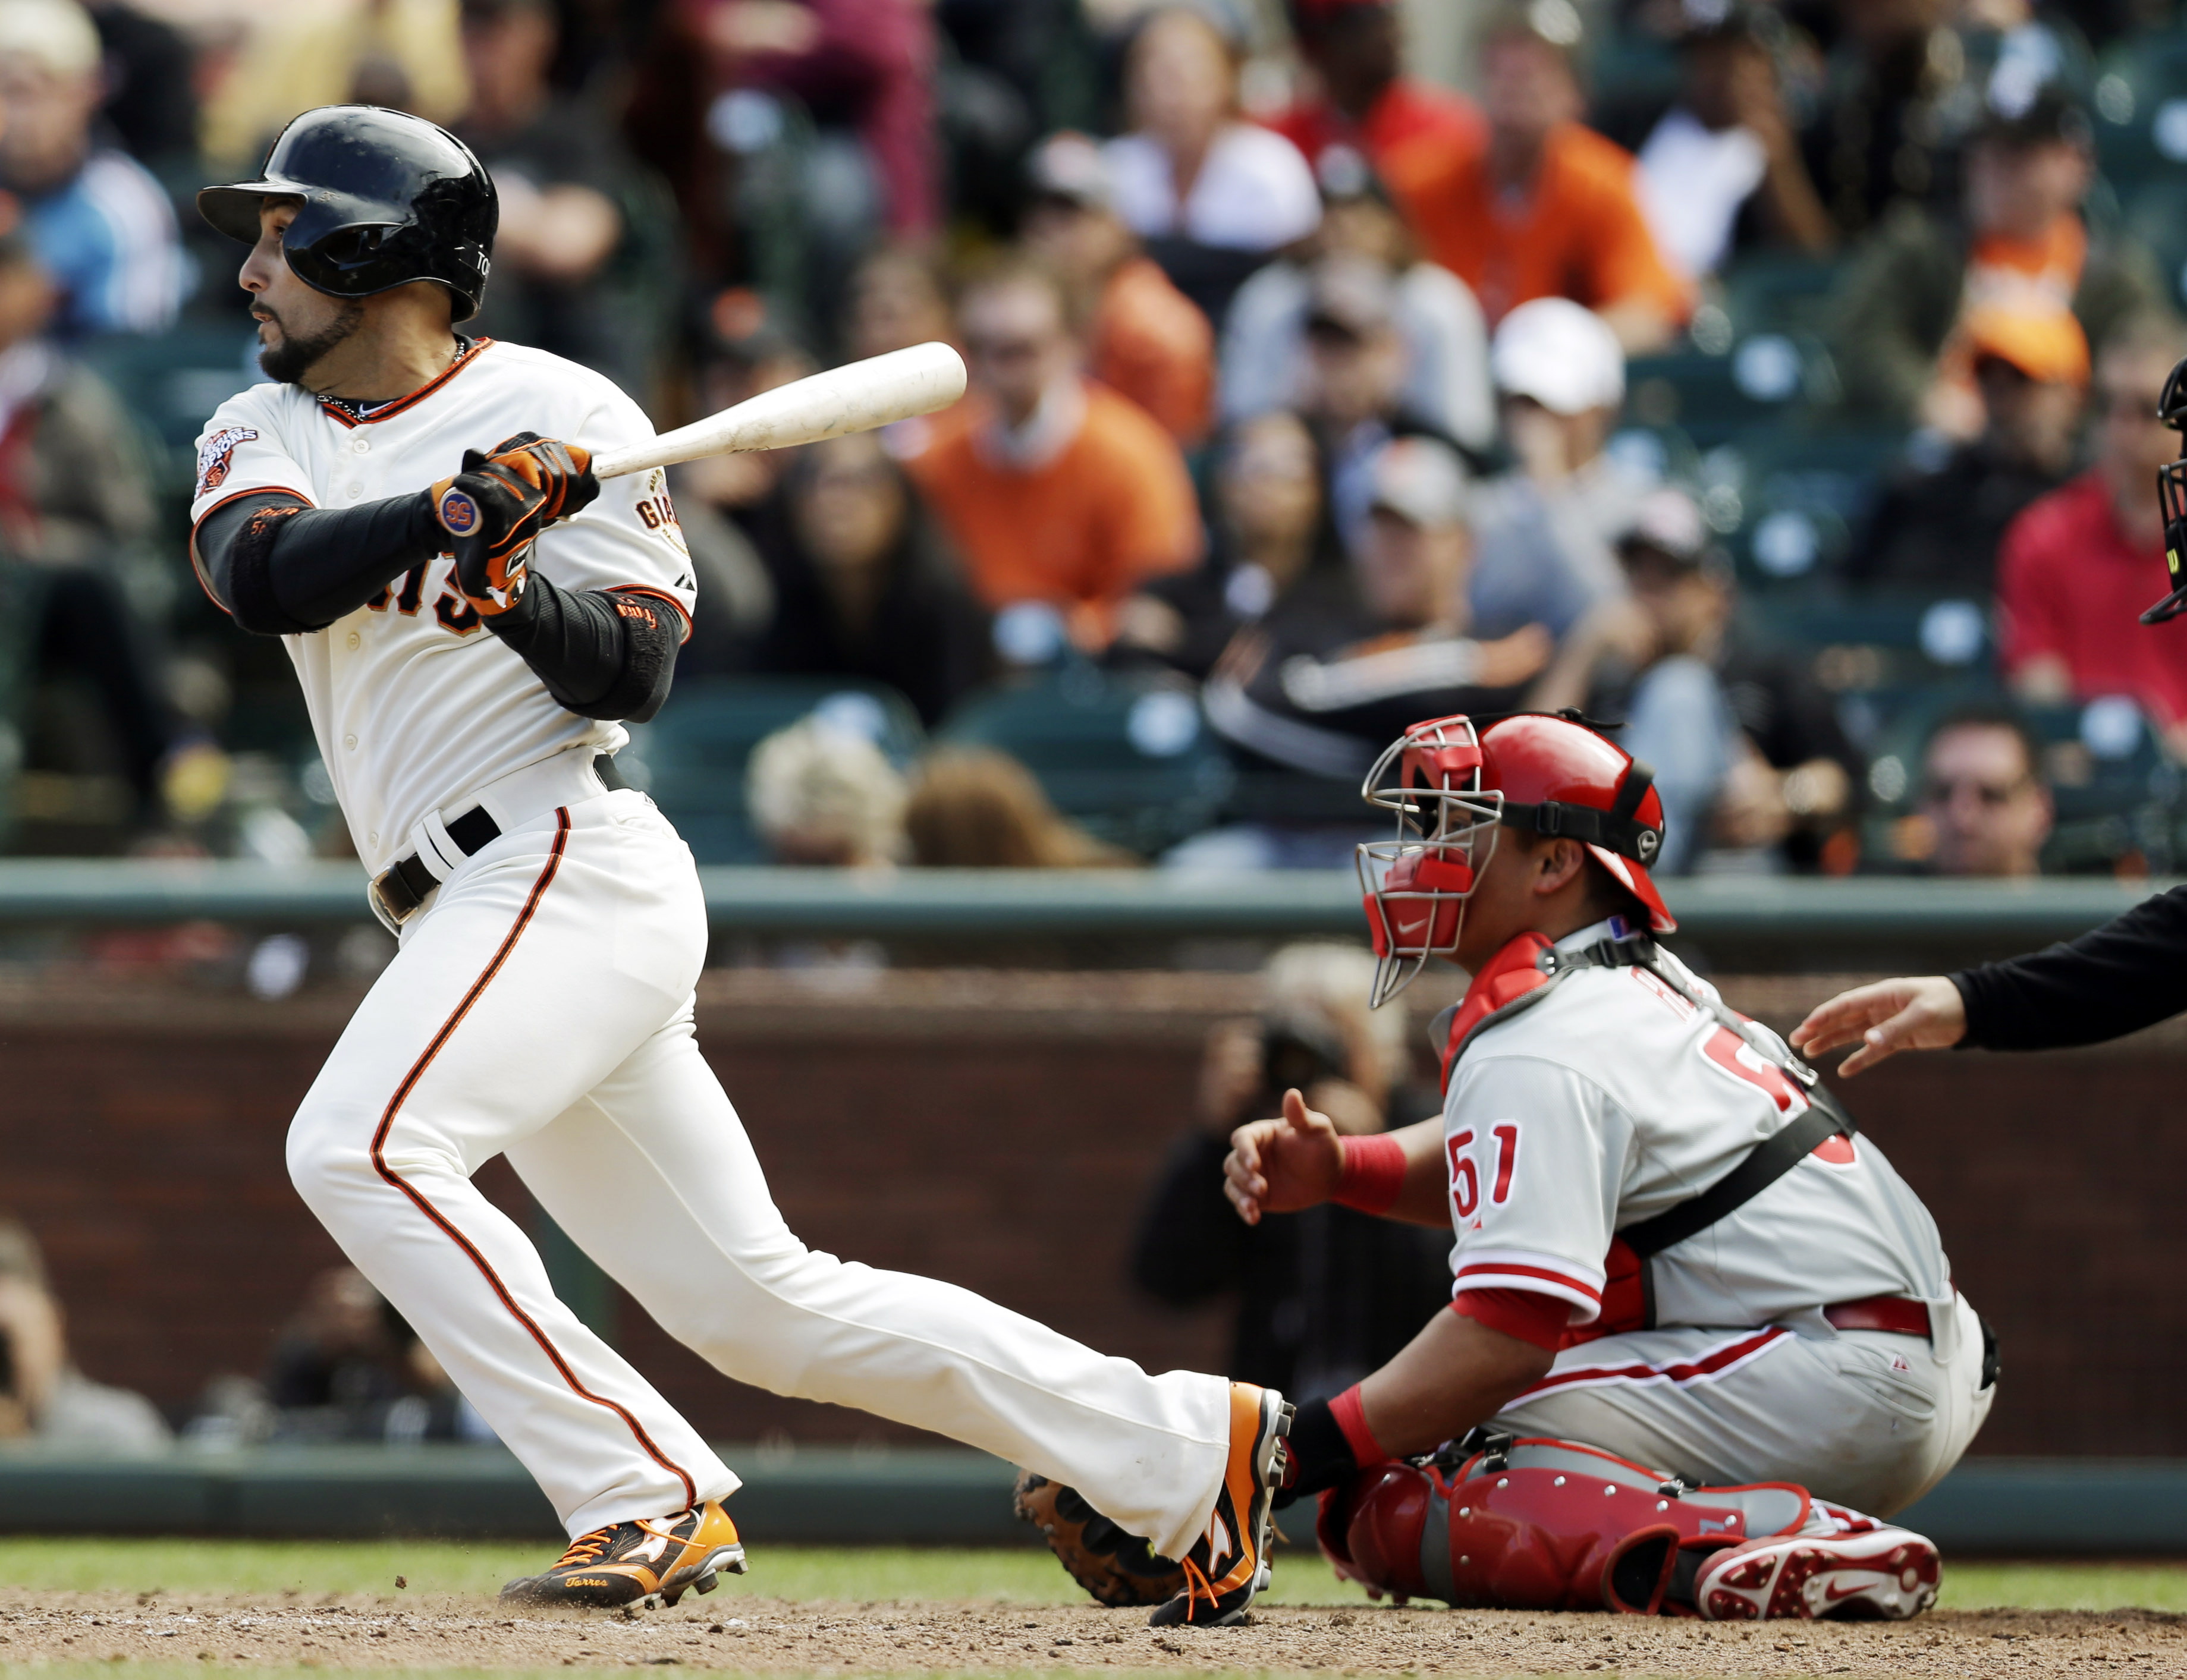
(1281, 1165)
(1922, 1013)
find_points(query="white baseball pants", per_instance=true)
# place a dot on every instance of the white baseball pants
(1859, 1418)
(540, 1007)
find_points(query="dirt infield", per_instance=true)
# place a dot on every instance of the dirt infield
(768, 1635)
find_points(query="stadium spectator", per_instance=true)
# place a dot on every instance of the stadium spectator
(347, 1368)
(974, 808)
(1887, 128)
(1325, 1295)
(1265, 355)
(43, 1396)
(1309, 694)
(77, 519)
(1211, 194)
(150, 81)
(864, 71)
(1353, 391)
(1144, 338)
(100, 224)
(744, 350)
(861, 586)
(1053, 488)
(405, 54)
(896, 301)
(723, 502)
(1722, 169)
(1984, 809)
(2077, 568)
(2020, 241)
(1940, 520)
(557, 168)
(823, 797)
(1746, 747)
(1544, 531)
(1357, 95)
(1271, 536)
(1544, 207)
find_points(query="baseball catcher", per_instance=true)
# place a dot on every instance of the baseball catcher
(1703, 1340)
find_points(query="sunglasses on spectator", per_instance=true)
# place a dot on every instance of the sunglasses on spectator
(1935, 791)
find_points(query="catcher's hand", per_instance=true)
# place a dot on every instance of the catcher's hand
(1118, 1568)
(497, 505)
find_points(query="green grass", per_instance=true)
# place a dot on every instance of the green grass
(1026, 1576)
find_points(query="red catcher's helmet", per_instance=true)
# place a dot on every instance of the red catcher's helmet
(1453, 786)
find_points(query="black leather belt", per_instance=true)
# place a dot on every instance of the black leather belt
(407, 883)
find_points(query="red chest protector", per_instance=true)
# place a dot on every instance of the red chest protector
(1520, 976)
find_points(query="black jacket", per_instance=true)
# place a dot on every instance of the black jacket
(2126, 975)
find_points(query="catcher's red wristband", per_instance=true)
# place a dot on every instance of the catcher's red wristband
(1374, 1173)
(1351, 1418)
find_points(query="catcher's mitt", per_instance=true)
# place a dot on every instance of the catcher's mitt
(1118, 1568)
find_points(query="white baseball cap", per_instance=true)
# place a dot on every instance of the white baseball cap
(1564, 356)
(1421, 481)
(57, 34)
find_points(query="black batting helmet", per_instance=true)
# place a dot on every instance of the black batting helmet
(388, 198)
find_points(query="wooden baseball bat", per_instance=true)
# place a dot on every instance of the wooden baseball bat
(857, 397)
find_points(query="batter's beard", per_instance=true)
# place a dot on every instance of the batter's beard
(292, 358)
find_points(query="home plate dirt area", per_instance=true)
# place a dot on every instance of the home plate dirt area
(774, 1636)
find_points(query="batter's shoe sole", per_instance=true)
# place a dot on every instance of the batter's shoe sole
(1228, 1564)
(1886, 1575)
(644, 1564)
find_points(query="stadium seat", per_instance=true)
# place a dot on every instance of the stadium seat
(2140, 113)
(173, 382)
(2156, 215)
(691, 758)
(1778, 292)
(1714, 399)
(1127, 756)
(1804, 497)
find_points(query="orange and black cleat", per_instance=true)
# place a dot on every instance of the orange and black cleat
(1228, 1564)
(649, 1563)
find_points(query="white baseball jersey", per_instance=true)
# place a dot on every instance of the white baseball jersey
(414, 704)
(1614, 1099)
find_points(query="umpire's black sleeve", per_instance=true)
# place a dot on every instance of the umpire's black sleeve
(2126, 975)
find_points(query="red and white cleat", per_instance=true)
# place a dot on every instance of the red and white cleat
(1886, 1575)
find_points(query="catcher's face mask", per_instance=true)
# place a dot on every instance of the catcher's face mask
(2172, 496)
(1415, 887)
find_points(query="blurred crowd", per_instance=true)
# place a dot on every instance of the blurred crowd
(1776, 377)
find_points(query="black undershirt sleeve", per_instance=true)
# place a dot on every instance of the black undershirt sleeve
(2116, 978)
(280, 568)
(603, 654)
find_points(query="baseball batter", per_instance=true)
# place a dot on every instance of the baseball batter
(1674, 1256)
(473, 615)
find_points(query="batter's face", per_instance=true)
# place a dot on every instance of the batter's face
(297, 326)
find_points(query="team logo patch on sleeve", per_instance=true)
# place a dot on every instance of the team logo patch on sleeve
(214, 456)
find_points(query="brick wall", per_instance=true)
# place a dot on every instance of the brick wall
(995, 1130)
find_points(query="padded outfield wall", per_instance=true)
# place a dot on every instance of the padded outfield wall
(996, 1128)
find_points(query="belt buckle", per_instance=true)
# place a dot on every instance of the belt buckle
(381, 907)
